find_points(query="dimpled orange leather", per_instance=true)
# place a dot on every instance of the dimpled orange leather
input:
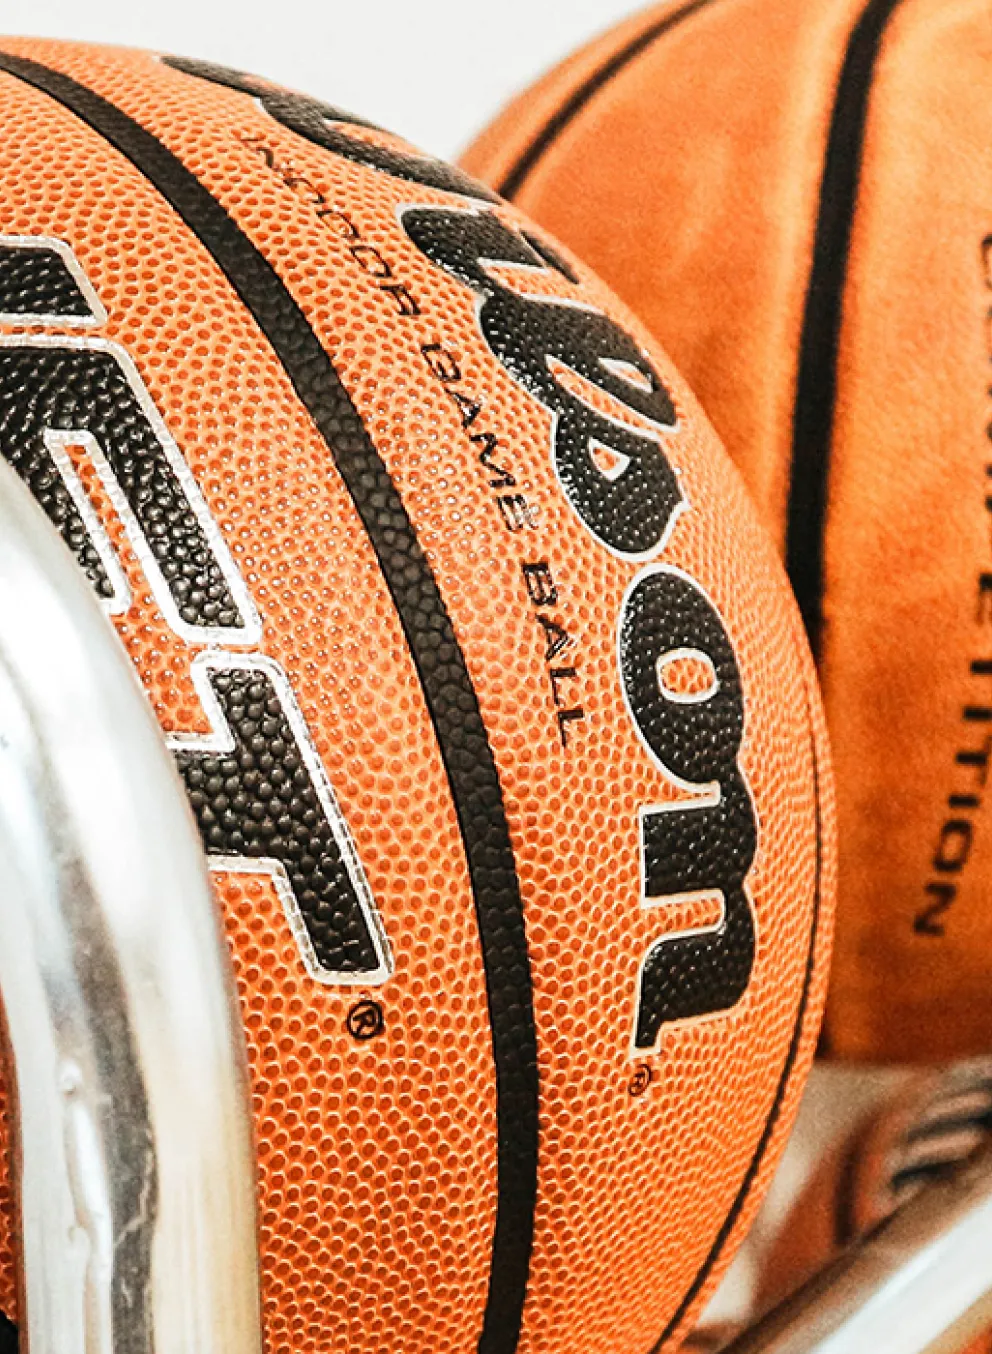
(694, 161)
(378, 1181)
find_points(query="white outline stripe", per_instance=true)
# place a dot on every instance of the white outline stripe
(56, 443)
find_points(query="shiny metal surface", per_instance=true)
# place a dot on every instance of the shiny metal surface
(137, 1178)
(921, 1283)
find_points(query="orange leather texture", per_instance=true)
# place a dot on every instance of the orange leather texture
(377, 1160)
(689, 175)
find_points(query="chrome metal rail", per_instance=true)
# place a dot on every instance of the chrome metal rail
(136, 1166)
(920, 1283)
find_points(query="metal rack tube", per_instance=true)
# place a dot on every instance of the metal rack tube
(920, 1283)
(136, 1174)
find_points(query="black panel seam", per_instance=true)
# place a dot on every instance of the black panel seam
(515, 177)
(819, 346)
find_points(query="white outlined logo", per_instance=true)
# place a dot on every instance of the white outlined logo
(53, 361)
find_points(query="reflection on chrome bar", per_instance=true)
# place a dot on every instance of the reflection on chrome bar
(921, 1283)
(137, 1185)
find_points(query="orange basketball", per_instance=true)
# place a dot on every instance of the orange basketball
(794, 196)
(487, 690)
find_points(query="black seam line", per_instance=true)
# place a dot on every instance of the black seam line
(783, 1085)
(513, 180)
(441, 667)
(816, 378)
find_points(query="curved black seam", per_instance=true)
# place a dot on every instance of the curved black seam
(440, 664)
(816, 378)
(783, 1085)
(513, 180)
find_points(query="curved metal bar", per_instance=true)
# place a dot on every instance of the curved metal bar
(136, 1162)
(921, 1283)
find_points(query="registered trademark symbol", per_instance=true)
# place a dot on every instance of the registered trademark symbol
(641, 1080)
(366, 1020)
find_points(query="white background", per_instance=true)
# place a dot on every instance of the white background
(434, 71)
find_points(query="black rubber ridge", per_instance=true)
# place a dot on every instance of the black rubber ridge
(816, 381)
(514, 179)
(440, 663)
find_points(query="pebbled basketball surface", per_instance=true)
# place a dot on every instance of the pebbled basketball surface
(794, 197)
(427, 560)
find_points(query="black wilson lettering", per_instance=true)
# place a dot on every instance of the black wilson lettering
(700, 845)
(434, 650)
(620, 483)
(323, 124)
(628, 497)
(550, 255)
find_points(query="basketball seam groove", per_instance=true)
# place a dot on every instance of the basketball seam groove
(819, 346)
(515, 177)
(437, 656)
